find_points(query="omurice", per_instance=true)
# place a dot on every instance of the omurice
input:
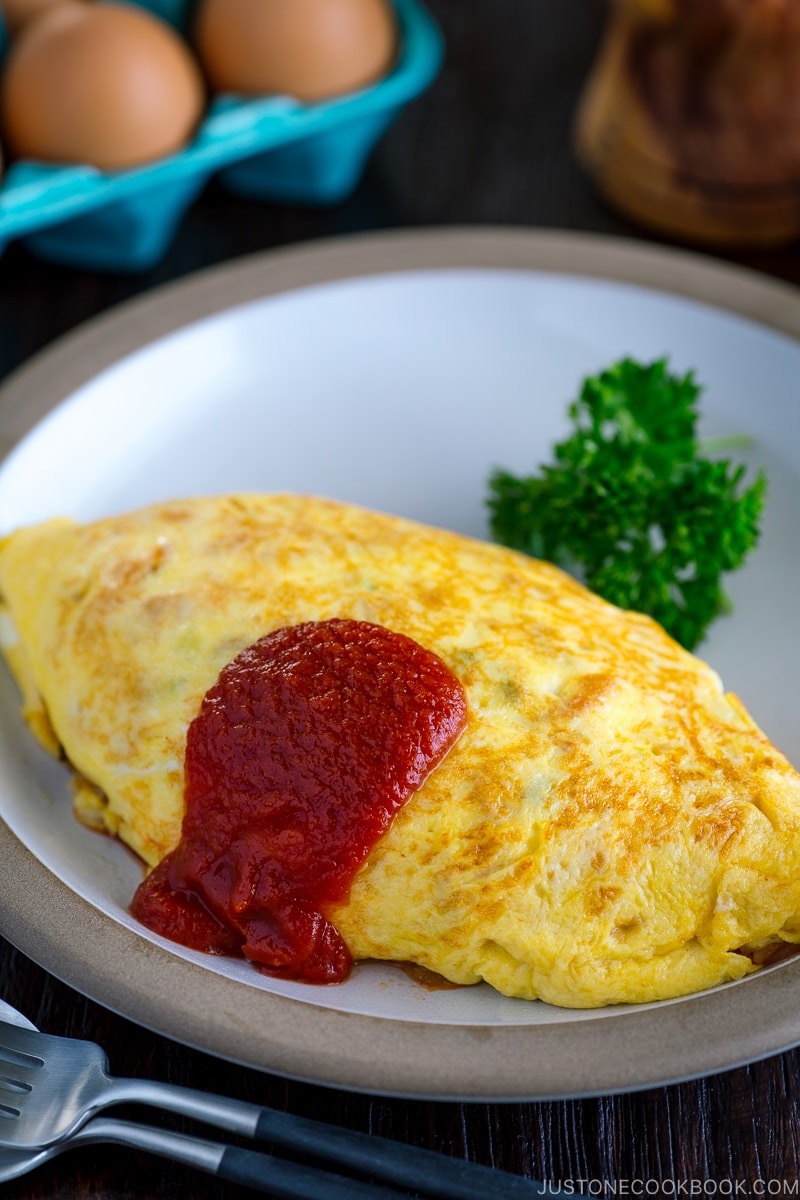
(568, 804)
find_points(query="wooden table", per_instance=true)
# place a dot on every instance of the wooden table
(488, 144)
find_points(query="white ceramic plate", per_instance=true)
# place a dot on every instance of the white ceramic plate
(395, 373)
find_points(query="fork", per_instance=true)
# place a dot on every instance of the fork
(281, 1179)
(51, 1086)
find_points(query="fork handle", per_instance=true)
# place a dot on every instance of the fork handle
(421, 1170)
(293, 1181)
(262, 1172)
(425, 1171)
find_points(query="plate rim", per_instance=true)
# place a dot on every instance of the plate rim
(701, 1035)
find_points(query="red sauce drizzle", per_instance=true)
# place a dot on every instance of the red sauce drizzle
(301, 754)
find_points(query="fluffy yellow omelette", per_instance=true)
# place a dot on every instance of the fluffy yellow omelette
(610, 827)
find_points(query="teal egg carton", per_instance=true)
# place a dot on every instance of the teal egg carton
(271, 148)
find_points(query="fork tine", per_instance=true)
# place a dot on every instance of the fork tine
(25, 1041)
(18, 1072)
(21, 1062)
(14, 1087)
(19, 1080)
(46, 1085)
(12, 1090)
(8, 1084)
(17, 1053)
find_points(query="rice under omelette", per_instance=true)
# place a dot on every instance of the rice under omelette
(610, 827)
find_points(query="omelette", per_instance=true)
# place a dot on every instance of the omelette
(609, 827)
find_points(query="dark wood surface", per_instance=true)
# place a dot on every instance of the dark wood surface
(489, 143)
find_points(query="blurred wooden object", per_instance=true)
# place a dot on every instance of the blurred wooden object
(690, 120)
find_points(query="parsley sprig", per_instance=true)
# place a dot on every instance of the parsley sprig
(631, 505)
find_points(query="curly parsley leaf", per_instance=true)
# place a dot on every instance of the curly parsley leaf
(631, 505)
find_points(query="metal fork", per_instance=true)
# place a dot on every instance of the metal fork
(286, 1180)
(51, 1086)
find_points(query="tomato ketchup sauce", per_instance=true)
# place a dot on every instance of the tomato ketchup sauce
(302, 752)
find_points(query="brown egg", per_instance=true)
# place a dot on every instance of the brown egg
(311, 49)
(17, 13)
(106, 84)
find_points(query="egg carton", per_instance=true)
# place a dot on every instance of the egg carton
(272, 148)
